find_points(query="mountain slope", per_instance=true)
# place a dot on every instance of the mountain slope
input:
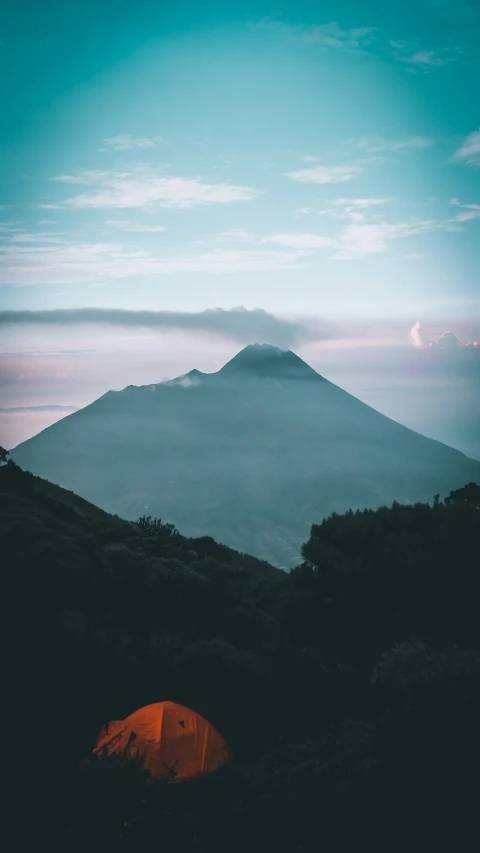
(68, 518)
(251, 455)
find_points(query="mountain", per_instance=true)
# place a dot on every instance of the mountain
(69, 524)
(251, 455)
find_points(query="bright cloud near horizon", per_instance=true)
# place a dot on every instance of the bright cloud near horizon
(319, 163)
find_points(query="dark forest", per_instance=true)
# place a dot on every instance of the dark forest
(348, 689)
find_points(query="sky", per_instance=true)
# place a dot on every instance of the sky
(203, 175)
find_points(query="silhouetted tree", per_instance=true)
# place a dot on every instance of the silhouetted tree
(469, 495)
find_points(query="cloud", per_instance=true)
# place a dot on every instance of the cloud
(448, 342)
(376, 145)
(417, 56)
(318, 211)
(10, 226)
(423, 57)
(416, 335)
(329, 35)
(88, 176)
(38, 237)
(466, 215)
(325, 174)
(300, 241)
(361, 202)
(353, 205)
(447, 356)
(186, 382)
(237, 324)
(352, 208)
(145, 186)
(358, 239)
(469, 211)
(239, 234)
(364, 239)
(46, 408)
(469, 151)
(125, 225)
(125, 142)
(371, 238)
(97, 262)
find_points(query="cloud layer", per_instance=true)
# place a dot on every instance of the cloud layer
(99, 262)
(360, 238)
(238, 324)
(325, 174)
(46, 408)
(414, 54)
(376, 145)
(469, 151)
(469, 211)
(447, 346)
(126, 142)
(145, 186)
(125, 225)
(328, 35)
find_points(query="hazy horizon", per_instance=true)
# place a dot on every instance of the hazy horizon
(389, 390)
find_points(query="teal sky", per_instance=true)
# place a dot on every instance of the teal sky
(311, 159)
(211, 115)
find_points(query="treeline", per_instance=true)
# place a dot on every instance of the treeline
(348, 689)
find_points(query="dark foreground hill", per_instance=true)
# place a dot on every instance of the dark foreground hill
(349, 689)
(251, 455)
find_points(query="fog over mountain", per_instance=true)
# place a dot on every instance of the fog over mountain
(252, 454)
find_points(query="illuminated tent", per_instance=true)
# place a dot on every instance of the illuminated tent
(165, 738)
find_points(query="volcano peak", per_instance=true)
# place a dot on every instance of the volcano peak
(266, 360)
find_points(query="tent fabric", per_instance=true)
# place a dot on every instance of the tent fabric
(165, 738)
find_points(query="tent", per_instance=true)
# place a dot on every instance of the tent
(166, 739)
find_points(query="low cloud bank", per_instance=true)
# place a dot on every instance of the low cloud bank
(448, 342)
(238, 324)
(47, 408)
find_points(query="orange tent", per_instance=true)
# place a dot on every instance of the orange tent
(165, 737)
